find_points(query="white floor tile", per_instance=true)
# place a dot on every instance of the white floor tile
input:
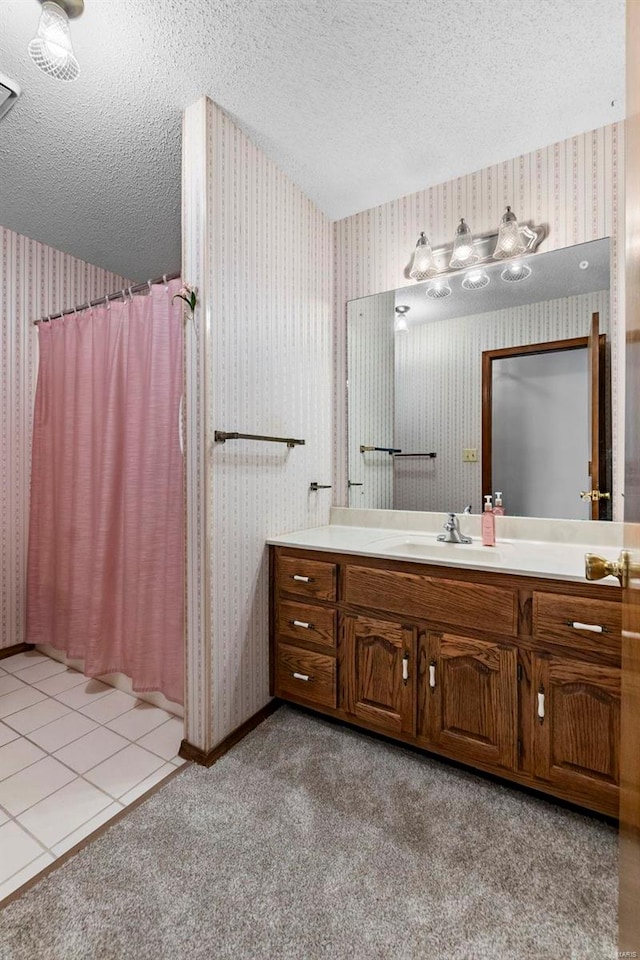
(165, 740)
(18, 850)
(2, 672)
(16, 756)
(40, 671)
(9, 683)
(68, 728)
(123, 771)
(91, 749)
(135, 723)
(178, 761)
(34, 783)
(64, 811)
(3, 816)
(84, 694)
(36, 716)
(19, 699)
(87, 828)
(34, 868)
(141, 788)
(21, 660)
(110, 707)
(60, 682)
(6, 734)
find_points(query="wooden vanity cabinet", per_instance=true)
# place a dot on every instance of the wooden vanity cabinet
(517, 676)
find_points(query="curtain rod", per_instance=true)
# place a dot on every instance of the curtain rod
(128, 291)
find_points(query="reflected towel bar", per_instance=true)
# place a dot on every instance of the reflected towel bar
(390, 450)
(431, 456)
(220, 437)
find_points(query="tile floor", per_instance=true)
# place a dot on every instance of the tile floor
(74, 752)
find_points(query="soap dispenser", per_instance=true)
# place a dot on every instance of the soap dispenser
(488, 524)
(498, 510)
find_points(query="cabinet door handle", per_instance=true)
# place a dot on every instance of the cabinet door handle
(593, 627)
(301, 623)
(541, 705)
(302, 579)
(405, 668)
(432, 675)
(302, 676)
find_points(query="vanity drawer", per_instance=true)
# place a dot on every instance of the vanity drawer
(301, 621)
(593, 625)
(306, 578)
(303, 675)
(456, 602)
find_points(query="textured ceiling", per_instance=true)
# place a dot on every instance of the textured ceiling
(359, 101)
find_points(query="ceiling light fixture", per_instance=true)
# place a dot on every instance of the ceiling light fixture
(515, 272)
(51, 48)
(424, 265)
(401, 319)
(509, 239)
(464, 254)
(476, 280)
(438, 290)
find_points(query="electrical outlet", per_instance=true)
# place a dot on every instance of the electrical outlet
(470, 455)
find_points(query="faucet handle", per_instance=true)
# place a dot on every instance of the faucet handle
(467, 509)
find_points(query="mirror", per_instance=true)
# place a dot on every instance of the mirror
(426, 429)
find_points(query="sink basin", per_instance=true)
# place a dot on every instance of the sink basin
(428, 547)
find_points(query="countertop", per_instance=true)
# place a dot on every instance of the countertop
(547, 559)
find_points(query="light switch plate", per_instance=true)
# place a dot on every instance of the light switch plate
(470, 455)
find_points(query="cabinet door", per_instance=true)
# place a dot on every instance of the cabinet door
(468, 694)
(576, 728)
(380, 665)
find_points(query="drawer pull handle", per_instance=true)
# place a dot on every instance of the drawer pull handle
(593, 627)
(541, 705)
(301, 623)
(302, 676)
(302, 579)
(405, 668)
(432, 675)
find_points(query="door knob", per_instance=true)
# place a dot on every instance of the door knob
(595, 567)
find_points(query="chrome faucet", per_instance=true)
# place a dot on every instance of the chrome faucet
(453, 535)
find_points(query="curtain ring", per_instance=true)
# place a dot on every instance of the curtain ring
(107, 303)
(130, 294)
(165, 281)
(149, 285)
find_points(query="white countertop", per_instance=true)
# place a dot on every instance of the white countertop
(549, 559)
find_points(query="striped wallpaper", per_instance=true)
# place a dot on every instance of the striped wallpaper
(574, 187)
(35, 280)
(261, 254)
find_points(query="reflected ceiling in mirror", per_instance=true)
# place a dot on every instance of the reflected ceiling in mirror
(419, 391)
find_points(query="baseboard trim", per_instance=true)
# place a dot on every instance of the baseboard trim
(16, 648)
(206, 759)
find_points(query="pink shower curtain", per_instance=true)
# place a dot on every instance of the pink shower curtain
(105, 578)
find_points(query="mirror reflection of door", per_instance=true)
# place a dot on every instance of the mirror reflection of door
(544, 416)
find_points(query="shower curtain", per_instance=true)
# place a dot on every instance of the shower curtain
(105, 578)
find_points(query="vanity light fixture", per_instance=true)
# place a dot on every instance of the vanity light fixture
(401, 319)
(424, 265)
(475, 279)
(509, 239)
(464, 254)
(515, 272)
(438, 289)
(51, 49)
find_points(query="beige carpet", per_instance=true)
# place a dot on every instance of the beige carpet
(313, 841)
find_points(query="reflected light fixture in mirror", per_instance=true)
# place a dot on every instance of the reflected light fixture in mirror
(438, 290)
(515, 272)
(464, 254)
(401, 319)
(51, 49)
(476, 279)
(424, 265)
(509, 239)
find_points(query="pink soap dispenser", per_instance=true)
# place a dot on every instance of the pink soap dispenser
(488, 524)
(498, 510)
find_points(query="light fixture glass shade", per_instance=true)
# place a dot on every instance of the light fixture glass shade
(401, 320)
(51, 49)
(476, 279)
(438, 290)
(464, 254)
(509, 239)
(515, 272)
(424, 265)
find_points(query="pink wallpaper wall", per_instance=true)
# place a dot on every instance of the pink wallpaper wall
(34, 280)
(575, 188)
